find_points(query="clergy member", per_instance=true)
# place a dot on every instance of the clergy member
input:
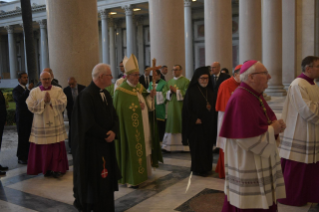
(174, 91)
(23, 117)
(134, 147)
(160, 101)
(198, 121)
(47, 153)
(225, 91)
(94, 128)
(254, 179)
(299, 147)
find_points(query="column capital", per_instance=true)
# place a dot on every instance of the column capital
(187, 3)
(103, 14)
(128, 9)
(9, 29)
(42, 23)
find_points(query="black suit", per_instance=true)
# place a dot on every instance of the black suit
(69, 106)
(3, 115)
(163, 77)
(143, 82)
(120, 75)
(23, 118)
(222, 77)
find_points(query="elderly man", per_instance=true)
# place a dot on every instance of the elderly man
(135, 147)
(254, 178)
(71, 92)
(54, 82)
(217, 79)
(145, 79)
(23, 117)
(299, 148)
(225, 91)
(94, 128)
(175, 90)
(47, 149)
(3, 116)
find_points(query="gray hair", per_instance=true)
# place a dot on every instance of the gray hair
(244, 76)
(100, 69)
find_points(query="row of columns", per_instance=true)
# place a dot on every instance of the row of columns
(13, 54)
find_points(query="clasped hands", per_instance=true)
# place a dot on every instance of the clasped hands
(279, 126)
(47, 97)
(173, 89)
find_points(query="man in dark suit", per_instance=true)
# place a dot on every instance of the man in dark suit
(3, 117)
(122, 70)
(163, 72)
(71, 92)
(217, 79)
(146, 79)
(23, 117)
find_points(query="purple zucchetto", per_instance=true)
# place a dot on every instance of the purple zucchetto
(247, 65)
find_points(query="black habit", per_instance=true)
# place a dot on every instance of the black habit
(69, 106)
(215, 85)
(199, 136)
(92, 118)
(3, 115)
(23, 118)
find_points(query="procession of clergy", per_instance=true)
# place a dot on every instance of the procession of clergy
(117, 133)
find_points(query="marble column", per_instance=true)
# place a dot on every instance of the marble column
(105, 37)
(272, 45)
(249, 30)
(218, 32)
(308, 28)
(189, 59)
(112, 48)
(73, 39)
(167, 33)
(44, 44)
(12, 53)
(140, 43)
(130, 38)
(289, 39)
(119, 46)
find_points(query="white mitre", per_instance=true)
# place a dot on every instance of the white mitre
(130, 64)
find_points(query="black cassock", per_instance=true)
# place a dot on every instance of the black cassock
(199, 136)
(92, 119)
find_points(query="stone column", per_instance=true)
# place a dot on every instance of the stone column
(289, 39)
(12, 53)
(140, 44)
(272, 45)
(308, 29)
(112, 48)
(218, 32)
(44, 44)
(73, 39)
(189, 59)
(167, 33)
(105, 37)
(119, 47)
(130, 38)
(249, 30)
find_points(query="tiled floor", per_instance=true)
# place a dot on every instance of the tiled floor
(163, 192)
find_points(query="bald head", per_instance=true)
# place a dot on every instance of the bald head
(49, 70)
(45, 78)
(215, 68)
(72, 82)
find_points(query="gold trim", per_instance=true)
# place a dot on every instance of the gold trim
(126, 91)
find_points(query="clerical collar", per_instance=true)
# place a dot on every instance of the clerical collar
(308, 79)
(45, 89)
(22, 86)
(176, 78)
(130, 84)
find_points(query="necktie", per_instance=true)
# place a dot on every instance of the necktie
(103, 97)
(215, 79)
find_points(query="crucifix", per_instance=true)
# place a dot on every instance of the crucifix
(154, 68)
(49, 123)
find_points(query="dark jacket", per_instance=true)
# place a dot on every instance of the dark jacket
(68, 93)
(142, 81)
(23, 114)
(3, 109)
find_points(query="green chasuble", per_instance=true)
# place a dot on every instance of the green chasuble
(110, 89)
(174, 107)
(161, 108)
(130, 146)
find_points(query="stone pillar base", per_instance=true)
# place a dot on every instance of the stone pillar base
(286, 86)
(276, 90)
(266, 97)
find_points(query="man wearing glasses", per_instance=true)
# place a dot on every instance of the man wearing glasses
(122, 74)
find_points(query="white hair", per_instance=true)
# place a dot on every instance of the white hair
(252, 69)
(100, 69)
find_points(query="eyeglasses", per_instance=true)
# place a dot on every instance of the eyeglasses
(45, 79)
(264, 72)
(108, 75)
(314, 66)
(204, 78)
(175, 69)
(121, 66)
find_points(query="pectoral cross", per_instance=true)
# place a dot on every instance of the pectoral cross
(49, 123)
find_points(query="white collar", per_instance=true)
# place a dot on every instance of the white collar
(130, 84)
(176, 78)
(217, 74)
(24, 87)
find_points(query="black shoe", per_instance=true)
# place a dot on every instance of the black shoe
(3, 168)
(48, 173)
(56, 174)
(70, 152)
(216, 150)
(2, 173)
(24, 162)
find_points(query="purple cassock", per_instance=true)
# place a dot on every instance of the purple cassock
(47, 157)
(242, 122)
(301, 179)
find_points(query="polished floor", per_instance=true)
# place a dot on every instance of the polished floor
(164, 191)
